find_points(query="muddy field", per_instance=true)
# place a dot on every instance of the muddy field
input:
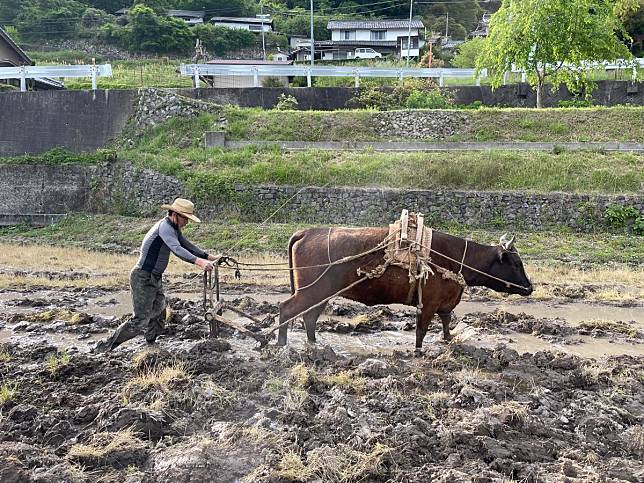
(548, 390)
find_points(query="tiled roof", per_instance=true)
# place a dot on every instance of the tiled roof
(186, 13)
(12, 45)
(241, 20)
(373, 24)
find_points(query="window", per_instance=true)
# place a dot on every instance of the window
(256, 28)
(378, 34)
(347, 35)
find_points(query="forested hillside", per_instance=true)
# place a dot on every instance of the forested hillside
(146, 28)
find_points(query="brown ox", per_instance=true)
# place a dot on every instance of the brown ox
(319, 246)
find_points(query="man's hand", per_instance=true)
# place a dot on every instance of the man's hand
(214, 258)
(204, 264)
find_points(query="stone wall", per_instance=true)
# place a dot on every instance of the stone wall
(34, 192)
(374, 206)
(123, 189)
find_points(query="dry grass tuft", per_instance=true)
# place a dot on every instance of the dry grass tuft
(510, 412)
(301, 376)
(55, 362)
(634, 439)
(291, 468)
(5, 356)
(433, 401)
(347, 380)
(157, 378)
(343, 464)
(104, 445)
(8, 391)
(609, 326)
(70, 316)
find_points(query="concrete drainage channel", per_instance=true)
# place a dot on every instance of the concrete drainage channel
(216, 139)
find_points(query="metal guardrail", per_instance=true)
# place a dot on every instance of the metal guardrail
(197, 70)
(624, 64)
(41, 71)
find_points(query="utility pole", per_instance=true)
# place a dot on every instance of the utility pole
(447, 26)
(411, 6)
(263, 17)
(312, 39)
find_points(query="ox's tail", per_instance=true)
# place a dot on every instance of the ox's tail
(297, 236)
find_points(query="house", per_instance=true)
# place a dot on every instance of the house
(483, 26)
(228, 80)
(11, 55)
(244, 23)
(388, 37)
(191, 17)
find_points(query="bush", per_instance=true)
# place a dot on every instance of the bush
(412, 94)
(431, 99)
(576, 103)
(286, 103)
(626, 218)
(272, 81)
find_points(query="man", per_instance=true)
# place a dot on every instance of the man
(148, 300)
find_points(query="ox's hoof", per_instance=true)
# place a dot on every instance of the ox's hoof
(418, 352)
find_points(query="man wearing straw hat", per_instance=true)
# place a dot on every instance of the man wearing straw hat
(148, 300)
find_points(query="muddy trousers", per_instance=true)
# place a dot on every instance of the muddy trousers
(148, 302)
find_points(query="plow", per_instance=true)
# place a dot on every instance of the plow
(214, 306)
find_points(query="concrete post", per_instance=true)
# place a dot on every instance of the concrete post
(523, 77)
(441, 79)
(505, 78)
(23, 79)
(196, 78)
(94, 73)
(356, 79)
(308, 77)
(255, 77)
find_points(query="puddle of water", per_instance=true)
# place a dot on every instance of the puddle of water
(573, 313)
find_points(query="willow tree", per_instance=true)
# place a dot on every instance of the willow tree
(555, 40)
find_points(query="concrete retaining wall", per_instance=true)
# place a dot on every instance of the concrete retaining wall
(34, 122)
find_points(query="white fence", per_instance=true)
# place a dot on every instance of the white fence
(55, 71)
(258, 70)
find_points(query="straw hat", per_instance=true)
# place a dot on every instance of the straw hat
(183, 207)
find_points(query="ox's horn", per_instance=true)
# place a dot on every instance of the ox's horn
(508, 244)
(503, 240)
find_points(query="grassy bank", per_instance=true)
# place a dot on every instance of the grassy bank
(486, 124)
(124, 234)
(174, 149)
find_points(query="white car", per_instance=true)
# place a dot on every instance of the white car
(366, 53)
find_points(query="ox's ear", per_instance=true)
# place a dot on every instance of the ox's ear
(500, 253)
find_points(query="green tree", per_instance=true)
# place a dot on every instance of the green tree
(41, 19)
(634, 23)
(110, 6)
(221, 40)
(553, 39)
(150, 32)
(220, 8)
(300, 24)
(467, 53)
(159, 6)
(9, 10)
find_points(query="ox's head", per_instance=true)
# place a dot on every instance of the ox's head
(506, 265)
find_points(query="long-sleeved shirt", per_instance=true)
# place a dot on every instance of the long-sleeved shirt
(165, 237)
